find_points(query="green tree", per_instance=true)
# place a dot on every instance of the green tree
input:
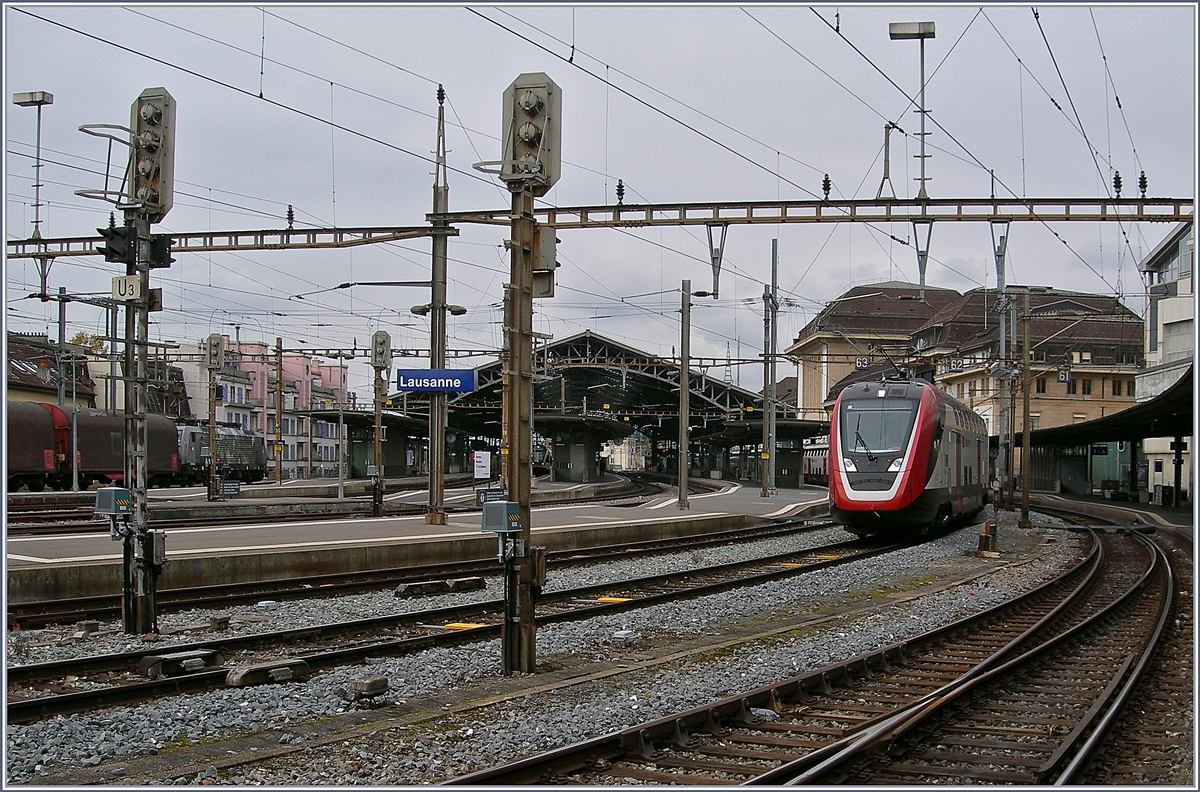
(95, 344)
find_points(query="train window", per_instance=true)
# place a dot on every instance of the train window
(872, 425)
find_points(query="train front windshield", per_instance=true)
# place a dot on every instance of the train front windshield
(876, 426)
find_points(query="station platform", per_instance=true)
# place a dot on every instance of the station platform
(1122, 512)
(48, 567)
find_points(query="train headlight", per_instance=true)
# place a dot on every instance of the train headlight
(895, 466)
(849, 466)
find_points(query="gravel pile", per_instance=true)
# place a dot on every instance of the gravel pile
(538, 722)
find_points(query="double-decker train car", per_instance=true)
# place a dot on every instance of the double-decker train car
(816, 463)
(39, 449)
(904, 458)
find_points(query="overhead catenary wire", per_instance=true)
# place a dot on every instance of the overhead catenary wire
(250, 94)
(977, 161)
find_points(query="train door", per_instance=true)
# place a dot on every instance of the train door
(958, 473)
(979, 444)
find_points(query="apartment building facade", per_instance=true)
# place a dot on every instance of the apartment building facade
(1167, 274)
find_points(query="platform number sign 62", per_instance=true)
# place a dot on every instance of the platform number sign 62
(862, 363)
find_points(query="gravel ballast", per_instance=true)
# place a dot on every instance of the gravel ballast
(151, 736)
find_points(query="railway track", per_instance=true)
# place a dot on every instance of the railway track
(1012, 694)
(36, 614)
(1147, 745)
(41, 690)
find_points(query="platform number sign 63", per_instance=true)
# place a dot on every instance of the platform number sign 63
(862, 363)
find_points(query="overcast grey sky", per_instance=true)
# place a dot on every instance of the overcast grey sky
(707, 103)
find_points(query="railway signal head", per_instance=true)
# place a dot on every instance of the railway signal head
(152, 159)
(531, 134)
(160, 251)
(381, 349)
(116, 247)
(214, 351)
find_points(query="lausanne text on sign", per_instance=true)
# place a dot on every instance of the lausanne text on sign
(435, 380)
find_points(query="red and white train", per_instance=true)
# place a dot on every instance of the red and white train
(905, 458)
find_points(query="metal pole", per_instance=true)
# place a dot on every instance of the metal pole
(1177, 447)
(1026, 441)
(922, 194)
(1011, 395)
(213, 491)
(1004, 458)
(435, 514)
(377, 484)
(62, 345)
(147, 615)
(128, 579)
(341, 443)
(774, 438)
(278, 410)
(37, 185)
(685, 354)
(74, 430)
(110, 387)
(764, 458)
(518, 645)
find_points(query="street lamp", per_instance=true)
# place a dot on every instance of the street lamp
(916, 30)
(36, 99)
(423, 310)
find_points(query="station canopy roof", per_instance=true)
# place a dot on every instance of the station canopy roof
(616, 386)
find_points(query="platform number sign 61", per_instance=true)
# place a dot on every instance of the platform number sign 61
(862, 363)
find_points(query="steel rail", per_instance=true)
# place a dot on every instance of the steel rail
(638, 741)
(27, 710)
(842, 754)
(1091, 747)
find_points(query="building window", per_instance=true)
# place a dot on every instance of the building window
(1073, 387)
(1087, 387)
(1116, 387)
(1040, 385)
(1129, 388)
(1078, 418)
(1081, 357)
(1035, 421)
(960, 390)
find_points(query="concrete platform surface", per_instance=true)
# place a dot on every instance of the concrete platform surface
(70, 565)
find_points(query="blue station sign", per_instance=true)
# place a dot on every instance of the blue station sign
(435, 380)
